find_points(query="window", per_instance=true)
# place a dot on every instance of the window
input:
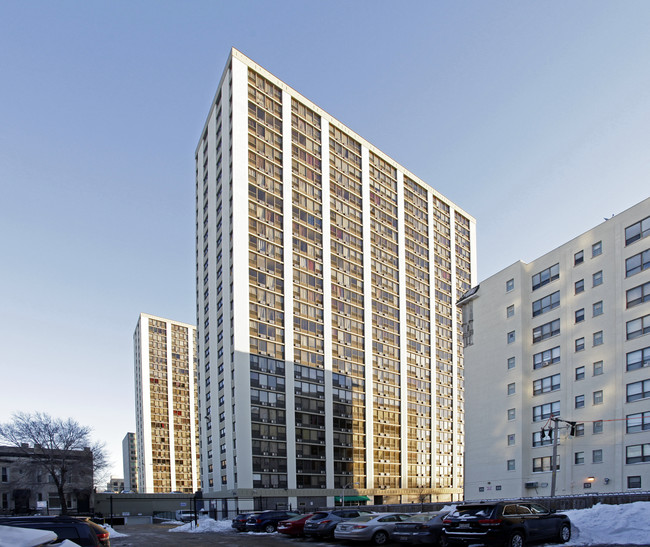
(510, 285)
(547, 330)
(511, 337)
(511, 414)
(545, 464)
(598, 397)
(634, 481)
(597, 249)
(637, 263)
(579, 286)
(510, 310)
(580, 373)
(637, 327)
(597, 456)
(546, 276)
(638, 359)
(597, 308)
(597, 428)
(598, 338)
(598, 368)
(637, 295)
(580, 315)
(636, 423)
(510, 465)
(580, 430)
(539, 439)
(545, 385)
(545, 358)
(546, 411)
(580, 344)
(5, 474)
(511, 439)
(637, 453)
(638, 390)
(547, 303)
(597, 278)
(580, 401)
(511, 363)
(579, 458)
(578, 258)
(637, 231)
(511, 389)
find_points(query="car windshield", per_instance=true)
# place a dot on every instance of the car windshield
(319, 516)
(298, 517)
(363, 518)
(473, 511)
(423, 517)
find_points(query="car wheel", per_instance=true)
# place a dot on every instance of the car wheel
(269, 528)
(380, 538)
(516, 540)
(565, 533)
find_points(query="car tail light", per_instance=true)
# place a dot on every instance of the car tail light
(488, 522)
(102, 536)
(359, 526)
(421, 527)
(446, 521)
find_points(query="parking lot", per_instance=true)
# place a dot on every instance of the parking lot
(159, 535)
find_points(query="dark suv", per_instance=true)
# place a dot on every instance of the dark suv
(239, 522)
(511, 523)
(322, 523)
(78, 530)
(267, 521)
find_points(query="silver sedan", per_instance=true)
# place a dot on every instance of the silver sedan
(377, 527)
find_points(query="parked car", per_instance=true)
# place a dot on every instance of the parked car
(267, 521)
(184, 515)
(295, 526)
(78, 530)
(377, 527)
(511, 523)
(323, 523)
(421, 528)
(239, 522)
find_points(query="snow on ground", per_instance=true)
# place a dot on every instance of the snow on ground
(113, 534)
(627, 524)
(614, 524)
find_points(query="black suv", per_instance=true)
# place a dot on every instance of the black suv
(239, 522)
(322, 523)
(511, 523)
(267, 521)
(78, 530)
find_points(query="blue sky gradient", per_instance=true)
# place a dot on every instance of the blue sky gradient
(534, 117)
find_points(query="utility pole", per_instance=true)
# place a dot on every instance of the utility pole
(554, 457)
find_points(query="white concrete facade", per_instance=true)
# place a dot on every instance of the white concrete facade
(243, 455)
(564, 336)
(166, 405)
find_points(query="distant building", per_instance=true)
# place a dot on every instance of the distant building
(565, 337)
(130, 462)
(26, 487)
(115, 484)
(166, 405)
(330, 348)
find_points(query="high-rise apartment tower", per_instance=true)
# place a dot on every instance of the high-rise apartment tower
(563, 340)
(330, 358)
(130, 462)
(166, 405)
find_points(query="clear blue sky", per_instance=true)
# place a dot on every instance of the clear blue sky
(534, 117)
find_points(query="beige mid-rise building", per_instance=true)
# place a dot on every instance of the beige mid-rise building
(330, 357)
(562, 339)
(166, 405)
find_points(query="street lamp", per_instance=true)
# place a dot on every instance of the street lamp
(343, 491)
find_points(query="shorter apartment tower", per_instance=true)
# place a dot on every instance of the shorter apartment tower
(166, 405)
(562, 341)
(130, 462)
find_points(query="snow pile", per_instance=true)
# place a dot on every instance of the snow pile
(113, 534)
(205, 525)
(627, 524)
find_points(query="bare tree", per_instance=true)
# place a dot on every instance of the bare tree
(56, 448)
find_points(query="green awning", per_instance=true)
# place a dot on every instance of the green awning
(337, 499)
